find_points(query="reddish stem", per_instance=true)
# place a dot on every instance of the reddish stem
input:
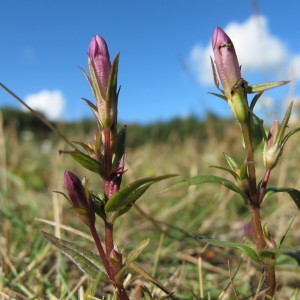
(101, 251)
(109, 240)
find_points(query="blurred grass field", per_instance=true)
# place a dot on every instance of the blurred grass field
(31, 169)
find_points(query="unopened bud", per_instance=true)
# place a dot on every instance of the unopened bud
(79, 198)
(229, 72)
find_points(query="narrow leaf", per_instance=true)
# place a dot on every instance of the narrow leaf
(87, 261)
(134, 267)
(206, 179)
(295, 194)
(130, 193)
(119, 150)
(254, 100)
(218, 95)
(133, 255)
(248, 249)
(231, 162)
(235, 176)
(87, 162)
(261, 87)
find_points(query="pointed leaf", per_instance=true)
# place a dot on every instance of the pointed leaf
(120, 147)
(254, 100)
(289, 134)
(113, 79)
(218, 95)
(286, 232)
(87, 162)
(135, 268)
(231, 162)
(130, 193)
(98, 200)
(133, 255)
(261, 87)
(235, 176)
(87, 261)
(206, 179)
(248, 249)
(295, 194)
(86, 147)
(294, 296)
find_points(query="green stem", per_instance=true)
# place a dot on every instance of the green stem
(250, 160)
(256, 197)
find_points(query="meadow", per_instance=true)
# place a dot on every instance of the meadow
(31, 169)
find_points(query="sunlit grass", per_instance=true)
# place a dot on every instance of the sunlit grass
(30, 268)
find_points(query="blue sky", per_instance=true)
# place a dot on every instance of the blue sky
(164, 69)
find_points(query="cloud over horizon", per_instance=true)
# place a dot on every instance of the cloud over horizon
(50, 103)
(256, 47)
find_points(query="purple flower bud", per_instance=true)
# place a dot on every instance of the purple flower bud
(226, 60)
(99, 56)
(79, 198)
(230, 74)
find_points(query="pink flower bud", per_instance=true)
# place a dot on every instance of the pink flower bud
(226, 60)
(230, 74)
(99, 56)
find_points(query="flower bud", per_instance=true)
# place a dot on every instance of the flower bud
(99, 57)
(226, 60)
(229, 72)
(79, 198)
(273, 148)
(276, 140)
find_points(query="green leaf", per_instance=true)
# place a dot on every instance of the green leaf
(295, 194)
(286, 232)
(294, 296)
(87, 261)
(261, 87)
(206, 179)
(248, 249)
(98, 200)
(231, 162)
(235, 175)
(113, 79)
(86, 147)
(135, 268)
(120, 147)
(133, 255)
(254, 100)
(121, 201)
(278, 251)
(218, 95)
(87, 162)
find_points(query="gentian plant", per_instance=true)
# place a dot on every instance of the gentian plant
(105, 157)
(253, 190)
(99, 207)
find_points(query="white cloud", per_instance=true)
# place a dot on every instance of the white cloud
(50, 103)
(256, 47)
(295, 67)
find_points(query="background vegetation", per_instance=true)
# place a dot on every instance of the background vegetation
(31, 169)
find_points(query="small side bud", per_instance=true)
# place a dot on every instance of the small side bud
(272, 149)
(79, 198)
